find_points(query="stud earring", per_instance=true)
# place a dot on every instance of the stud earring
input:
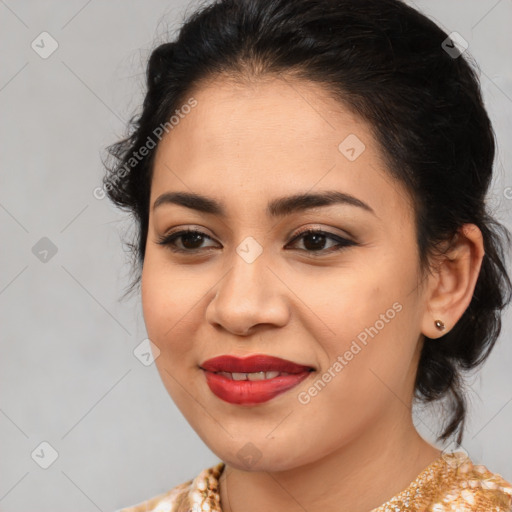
(440, 325)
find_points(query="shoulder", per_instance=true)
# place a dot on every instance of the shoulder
(470, 487)
(168, 501)
(179, 498)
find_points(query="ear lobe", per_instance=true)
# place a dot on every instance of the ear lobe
(453, 282)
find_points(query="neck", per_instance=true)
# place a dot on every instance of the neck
(359, 476)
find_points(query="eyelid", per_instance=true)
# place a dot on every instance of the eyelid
(291, 236)
(317, 227)
(188, 227)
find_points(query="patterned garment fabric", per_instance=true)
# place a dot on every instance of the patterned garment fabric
(450, 483)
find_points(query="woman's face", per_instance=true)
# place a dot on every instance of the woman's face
(251, 285)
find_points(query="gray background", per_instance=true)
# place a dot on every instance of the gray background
(68, 373)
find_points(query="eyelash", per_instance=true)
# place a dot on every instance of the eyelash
(343, 243)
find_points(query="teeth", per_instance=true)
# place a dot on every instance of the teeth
(253, 375)
(269, 375)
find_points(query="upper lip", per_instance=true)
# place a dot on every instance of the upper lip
(251, 364)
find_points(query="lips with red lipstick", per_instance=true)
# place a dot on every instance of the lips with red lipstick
(254, 379)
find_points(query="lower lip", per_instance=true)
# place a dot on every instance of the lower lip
(251, 391)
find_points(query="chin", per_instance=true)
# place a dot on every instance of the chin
(253, 455)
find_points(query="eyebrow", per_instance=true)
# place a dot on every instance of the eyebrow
(279, 207)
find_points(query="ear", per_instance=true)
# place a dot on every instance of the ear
(452, 285)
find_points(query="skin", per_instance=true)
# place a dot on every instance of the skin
(353, 445)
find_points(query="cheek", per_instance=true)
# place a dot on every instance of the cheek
(170, 309)
(156, 303)
(373, 322)
(169, 304)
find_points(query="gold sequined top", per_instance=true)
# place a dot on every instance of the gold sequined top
(450, 483)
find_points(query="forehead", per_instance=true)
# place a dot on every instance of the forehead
(271, 138)
(265, 116)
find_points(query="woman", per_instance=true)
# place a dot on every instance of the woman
(308, 180)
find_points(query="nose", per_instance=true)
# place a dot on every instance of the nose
(249, 295)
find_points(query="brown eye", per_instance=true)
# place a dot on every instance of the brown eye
(190, 240)
(314, 240)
